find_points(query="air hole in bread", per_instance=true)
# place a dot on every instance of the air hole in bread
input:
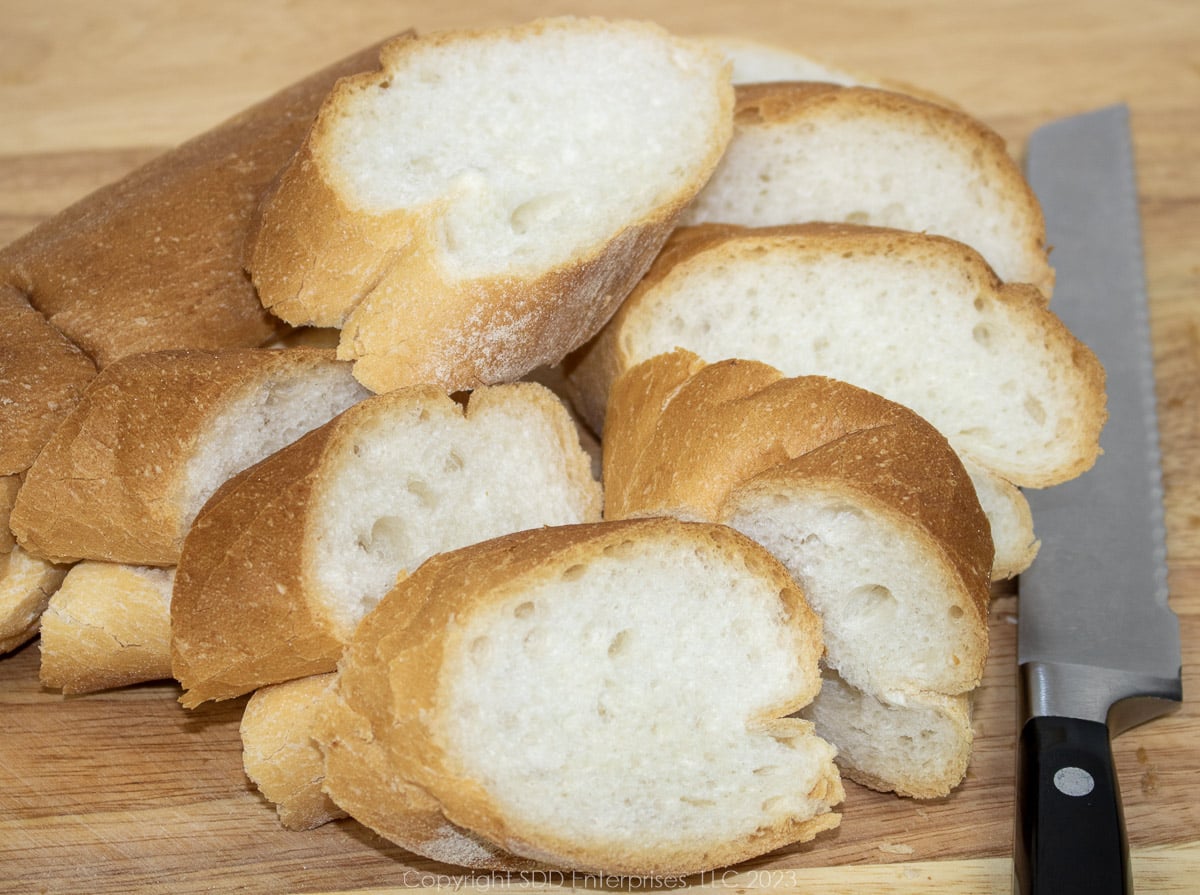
(956, 612)
(980, 303)
(479, 647)
(982, 333)
(767, 769)
(422, 490)
(574, 573)
(524, 610)
(387, 539)
(872, 601)
(535, 642)
(538, 211)
(858, 217)
(702, 803)
(774, 804)
(1035, 409)
(620, 643)
(454, 462)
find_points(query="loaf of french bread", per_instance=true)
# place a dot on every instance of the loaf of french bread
(154, 261)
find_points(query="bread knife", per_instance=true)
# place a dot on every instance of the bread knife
(1098, 647)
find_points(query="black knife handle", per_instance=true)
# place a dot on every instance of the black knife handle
(1070, 834)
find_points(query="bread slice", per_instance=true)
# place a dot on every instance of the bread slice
(26, 585)
(481, 204)
(280, 754)
(864, 502)
(125, 473)
(919, 319)
(286, 558)
(821, 152)
(42, 375)
(1009, 519)
(639, 675)
(914, 744)
(154, 261)
(108, 625)
(758, 62)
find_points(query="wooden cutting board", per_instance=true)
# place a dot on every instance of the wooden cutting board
(127, 792)
(118, 792)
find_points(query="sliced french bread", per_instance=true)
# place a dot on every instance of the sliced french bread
(639, 675)
(280, 754)
(865, 503)
(26, 585)
(919, 319)
(757, 62)
(1009, 519)
(153, 436)
(481, 204)
(286, 558)
(108, 625)
(820, 152)
(915, 744)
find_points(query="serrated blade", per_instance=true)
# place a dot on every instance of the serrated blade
(1093, 607)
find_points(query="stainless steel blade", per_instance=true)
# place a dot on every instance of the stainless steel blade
(1095, 627)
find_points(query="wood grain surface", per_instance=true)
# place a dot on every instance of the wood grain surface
(127, 792)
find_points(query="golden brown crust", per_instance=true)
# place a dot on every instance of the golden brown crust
(280, 755)
(109, 484)
(26, 585)
(684, 436)
(316, 259)
(9, 486)
(107, 626)
(155, 260)
(42, 375)
(389, 688)
(239, 615)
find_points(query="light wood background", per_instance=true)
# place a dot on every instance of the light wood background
(125, 791)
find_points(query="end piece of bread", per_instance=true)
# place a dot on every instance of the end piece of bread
(154, 436)
(287, 557)
(154, 261)
(42, 375)
(639, 674)
(820, 152)
(481, 204)
(107, 626)
(280, 755)
(914, 744)
(26, 585)
(919, 319)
